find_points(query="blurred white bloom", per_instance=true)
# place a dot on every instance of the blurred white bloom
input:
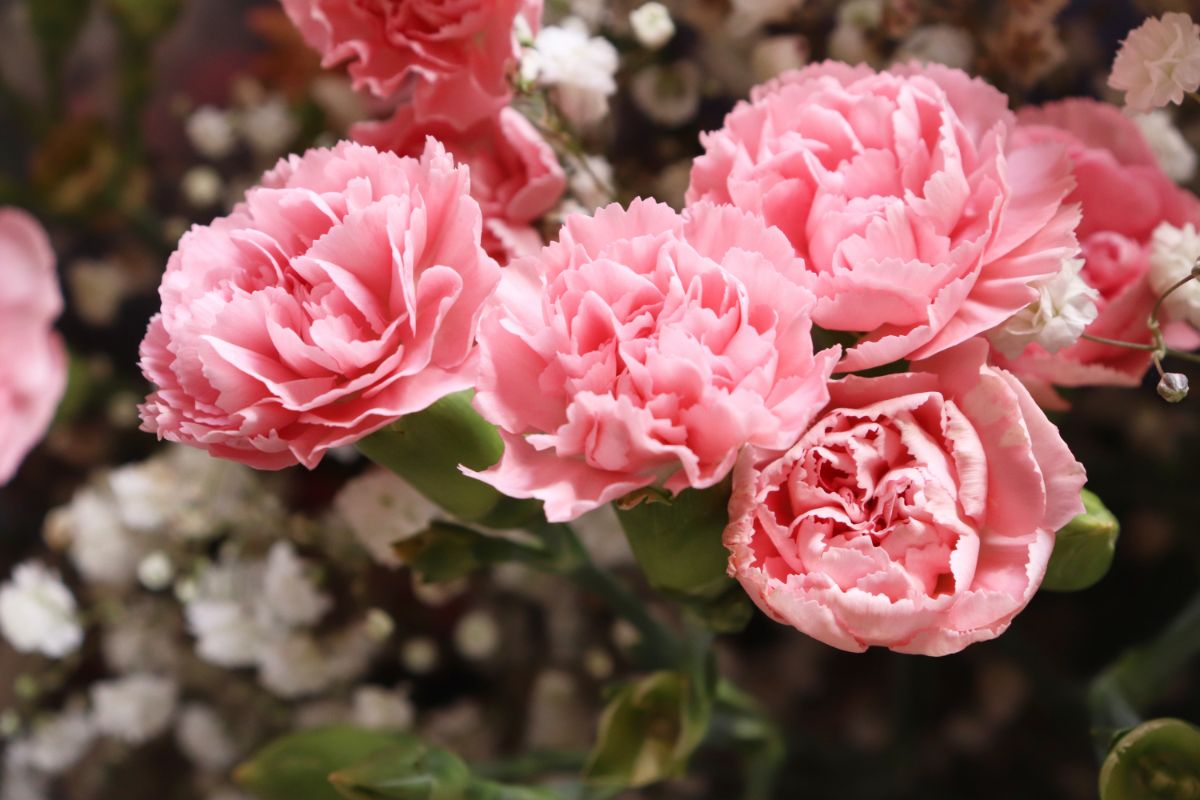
(1159, 62)
(600, 531)
(202, 737)
(557, 716)
(941, 44)
(349, 652)
(20, 780)
(293, 666)
(381, 508)
(1174, 153)
(155, 572)
(1066, 305)
(863, 14)
(202, 186)
(477, 636)
(652, 25)
(775, 54)
(101, 547)
(321, 714)
(379, 624)
(592, 12)
(668, 94)
(750, 14)
(37, 612)
(419, 655)
(268, 126)
(383, 709)
(222, 615)
(1173, 254)
(143, 637)
(134, 708)
(58, 742)
(336, 96)
(848, 42)
(97, 289)
(578, 68)
(592, 185)
(210, 130)
(289, 590)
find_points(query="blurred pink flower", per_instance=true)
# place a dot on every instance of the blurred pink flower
(918, 224)
(33, 362)
(1124, 195)
(917, 513)
(460, 50)
(646, 348)
(341, 295)
(515, 175)
(1158, 62)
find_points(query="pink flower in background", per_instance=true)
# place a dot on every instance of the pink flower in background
(918, 223)
(1124, 195)
(515, 175)
(460, 50)
(33, 363)
(917, 513)
(341, 295)
(1158, 62)
(646, 348)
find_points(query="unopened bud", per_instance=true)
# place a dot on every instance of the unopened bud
(1173, 387)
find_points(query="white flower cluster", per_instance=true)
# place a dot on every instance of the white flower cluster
(579, 69)
(1174, 253)
(1066, 305)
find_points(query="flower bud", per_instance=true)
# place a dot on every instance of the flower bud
(1173, 387)
(1083, 548)
(652, 25)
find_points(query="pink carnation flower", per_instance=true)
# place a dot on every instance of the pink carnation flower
(460, 50)
(1124, 195)
(515, 175)
(33, 363)
(644, 348)
(341, 295)
(918, 224)
(917, 513)
(1158, 62)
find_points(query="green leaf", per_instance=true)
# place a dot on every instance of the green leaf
(426, 449)
(1157, 760)
(297, 767)
(1083, 549)
(414, 771)
(446, 552)
(649, 730)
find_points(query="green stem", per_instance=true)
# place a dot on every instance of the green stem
(747, 723)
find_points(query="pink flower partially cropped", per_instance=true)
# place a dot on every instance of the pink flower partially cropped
(917, 513)
(1124, 195)
(341, 295)
(920, 226)
(515, 175)
(1159, 62)
(646, 348)
(33, 363)
(460, 51)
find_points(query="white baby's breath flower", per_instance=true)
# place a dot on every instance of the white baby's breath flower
(383, 709)
(21, 781)
(1066, 305)
(381, 509)
(57, 742)
(668, 94)
(210, 130)
(1159, 62)
(203, 737)
(222, 613)
(100, 546)
(652, 25)
(155, 572)
(135, 708)
(1175, 155)
(293, 666)
(477, 636)
(775, 54)
(751, 14)
(289, 591)
(202, 187)
(940, 44)
(97, 289)
(268, 126)
(578, 68)
(419, 655)
(1173, 255)
(38, 613)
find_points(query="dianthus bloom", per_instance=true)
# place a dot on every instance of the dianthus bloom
(1124, 195)
(33, 364)
(460, 50)
(645, 348)
(917, 513)
(918, 224)
(1158, 62)
(515, 175)
(341, 295)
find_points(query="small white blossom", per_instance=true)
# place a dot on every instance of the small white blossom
(293, 666)
(1173, 255)
(289, 590)
(202, 187)
(204, 739)
(940, 44)
(268, 126)
(210, 130)
(21, 781)
(100, 546)
(1175, 155)
(1066, 305)
(751, 14)
(1159, 62)
(381, 509)
(383, 709)
(419, 655)
(222, 614)
(579, 68)
(97, 289)
(775, 54)
(652, 25)
(38, 613)
(477, 636)
(155, 572)
(668, 95)
(57, 743)
(135, 708)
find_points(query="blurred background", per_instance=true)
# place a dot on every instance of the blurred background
(123, 122)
